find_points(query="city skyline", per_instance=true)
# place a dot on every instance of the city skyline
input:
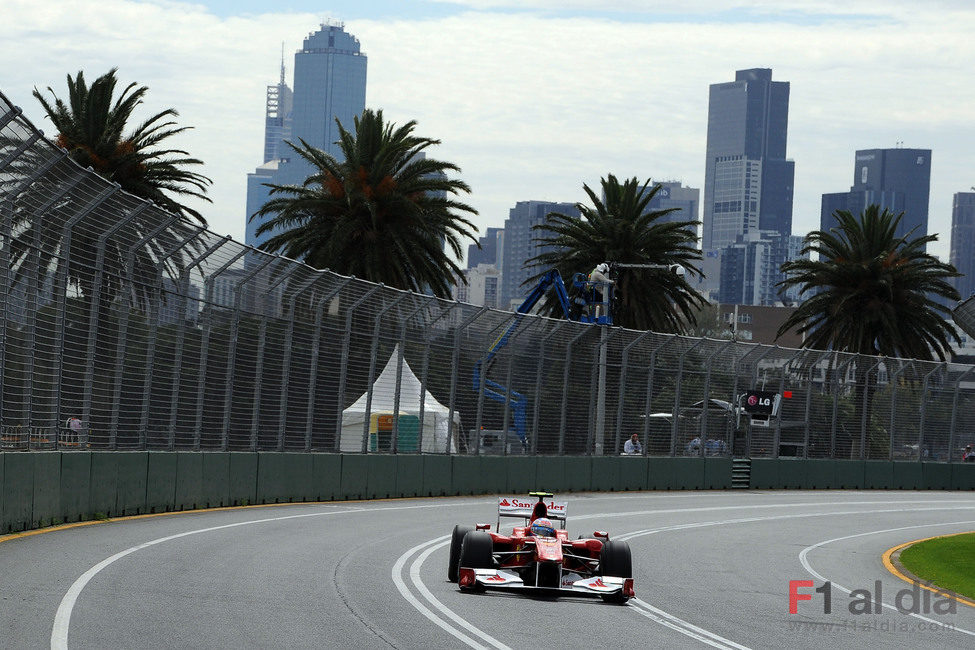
(330, 74)
(524, 116)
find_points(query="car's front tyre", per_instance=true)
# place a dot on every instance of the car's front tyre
(456, 539)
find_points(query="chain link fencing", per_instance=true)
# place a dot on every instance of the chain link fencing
(125, 327)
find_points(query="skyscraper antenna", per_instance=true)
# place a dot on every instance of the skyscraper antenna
(282, 63)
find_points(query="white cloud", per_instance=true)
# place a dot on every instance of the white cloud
(532, 106)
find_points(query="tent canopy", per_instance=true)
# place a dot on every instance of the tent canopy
(434, 431)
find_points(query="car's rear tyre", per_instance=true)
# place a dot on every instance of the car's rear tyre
(615, 561)
(456, 539)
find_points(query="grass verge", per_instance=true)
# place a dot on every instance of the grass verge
(948, 562)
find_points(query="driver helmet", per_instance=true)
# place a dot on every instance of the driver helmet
(603, 267)
(542, 527)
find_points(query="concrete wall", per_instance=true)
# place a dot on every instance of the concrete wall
(47, 488)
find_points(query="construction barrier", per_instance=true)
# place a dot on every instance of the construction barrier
(51, 487)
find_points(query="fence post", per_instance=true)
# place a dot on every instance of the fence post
(424, 304)
(538, 382)
(60, 295)
(291, 311)
(370, 378)
(954, 414)
(123, 327)
(6, 287)
(648, 403)
(864, 419)
(94, 316)
(766, 350)
(703, 433)
(184, 289)
(313, 364)
(208, 310)
(456, 371)
(34, 279)
(597, 428)
(565, 385)
(509, 391)
(230, 378)
(677, 391)
(261, 341)
(806, 417)
(343, 369)
(892, 382)
(153, 322)
(924, 404)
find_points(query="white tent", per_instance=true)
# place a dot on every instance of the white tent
(434, 432)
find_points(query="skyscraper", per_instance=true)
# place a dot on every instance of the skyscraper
(519, 245)
(752, 268)
(962, 255)
(488, 252)
(748, 182)
(674, 195)
(898, 179)
(329, 84)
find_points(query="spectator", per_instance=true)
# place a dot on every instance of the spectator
(74, 430)
(968, 456)
(632, 446)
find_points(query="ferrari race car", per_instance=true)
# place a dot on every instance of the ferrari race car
(538, 557)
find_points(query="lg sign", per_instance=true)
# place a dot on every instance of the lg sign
(760, 402)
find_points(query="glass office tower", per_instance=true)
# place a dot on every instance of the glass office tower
(329, 84)
(897, 179)
(748, 183)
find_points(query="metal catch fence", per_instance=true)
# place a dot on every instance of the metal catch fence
(125, 327)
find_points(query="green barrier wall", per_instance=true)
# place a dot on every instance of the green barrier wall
(216, 479)
(43, 488)
(46, 506)
(75, 486)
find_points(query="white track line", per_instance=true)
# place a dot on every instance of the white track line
(62, 619)
(682, 626)
(431, 546)
(805, 564)
(694, 631)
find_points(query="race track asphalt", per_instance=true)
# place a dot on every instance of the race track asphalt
(711, 569)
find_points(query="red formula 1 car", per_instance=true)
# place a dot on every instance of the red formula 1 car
(538, 557)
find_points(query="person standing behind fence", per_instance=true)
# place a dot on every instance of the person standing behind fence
(632, 446)
(599, 282)
(968, 456)
(74, 431)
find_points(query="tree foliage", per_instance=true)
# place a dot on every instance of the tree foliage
(872, 292)
(622, 228)
(385, 213)
(91, 127)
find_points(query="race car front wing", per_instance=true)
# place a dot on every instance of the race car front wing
(506, 580)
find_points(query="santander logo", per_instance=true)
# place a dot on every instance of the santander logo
(504, 502)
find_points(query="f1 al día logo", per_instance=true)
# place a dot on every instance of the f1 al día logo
(910, 600)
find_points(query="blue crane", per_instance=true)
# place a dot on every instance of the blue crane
(500, 393)
(583, 309)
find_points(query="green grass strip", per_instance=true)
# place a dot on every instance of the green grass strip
(948, 562)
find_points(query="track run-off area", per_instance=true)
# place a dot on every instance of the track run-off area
(711, 569)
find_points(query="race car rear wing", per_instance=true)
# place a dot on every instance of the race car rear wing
(521, 508)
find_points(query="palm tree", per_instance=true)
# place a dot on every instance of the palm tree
(384, 213)
(91, 128)
(872, 291)
(621, 228)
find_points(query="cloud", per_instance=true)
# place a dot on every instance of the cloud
(532, 105)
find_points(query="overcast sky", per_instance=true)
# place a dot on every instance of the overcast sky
(533, 98)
